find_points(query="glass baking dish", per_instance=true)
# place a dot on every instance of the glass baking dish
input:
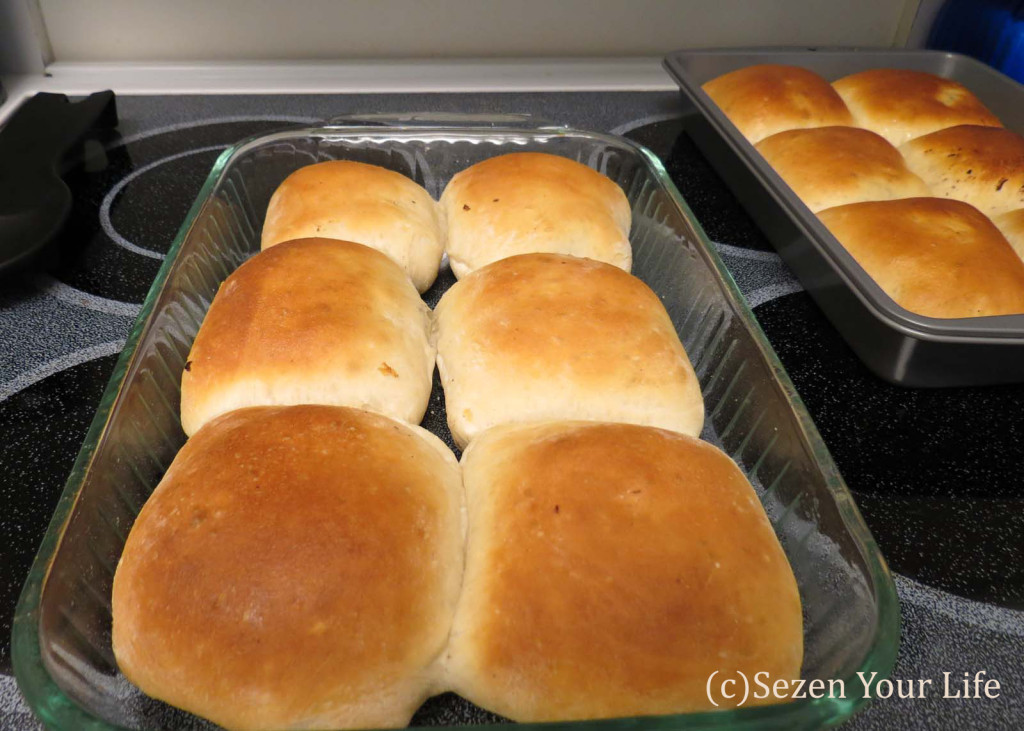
(61, 641)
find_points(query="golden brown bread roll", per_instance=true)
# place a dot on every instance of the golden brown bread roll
(546, 336)
(312, 321)
(768, 98)
(529, 202)
(900, 104)
(1012, 227)
(297, 567)
(610, 570)
(832, 166)
(935, 257)
(367, 204)
(983, 166)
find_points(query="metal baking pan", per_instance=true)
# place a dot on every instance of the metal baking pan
(900, 346)
(61, 642)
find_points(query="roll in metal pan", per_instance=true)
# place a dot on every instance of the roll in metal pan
(898, 345)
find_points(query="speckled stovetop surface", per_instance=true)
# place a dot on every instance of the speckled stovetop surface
(937, 473)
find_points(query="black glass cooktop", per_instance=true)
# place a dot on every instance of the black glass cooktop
(936, 473)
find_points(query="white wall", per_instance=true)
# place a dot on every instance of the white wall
(157, 30)
(23, 46)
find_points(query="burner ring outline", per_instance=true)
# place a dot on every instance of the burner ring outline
(80, 298)
(108, 200)
(61, 363)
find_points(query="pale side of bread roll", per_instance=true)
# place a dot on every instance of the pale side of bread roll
(546, 336)
(833, 166)
(900, 104)
(528, 202)
(610, 570)
(983, 166)
(312, 321)
(936, 257)
(297, 567)
(766, 99)
(367, 204)
(1012, 227)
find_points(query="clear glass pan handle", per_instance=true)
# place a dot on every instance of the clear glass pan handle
(443, 119)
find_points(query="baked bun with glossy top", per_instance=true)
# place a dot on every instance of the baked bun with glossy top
(610, 570)
(936, 257)
(983, 166)
(312, 321)
(900, 104)
(367, 204)
(297, 567)
(833, 166)
(766, 99)
(527, 202)
(547, 336)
